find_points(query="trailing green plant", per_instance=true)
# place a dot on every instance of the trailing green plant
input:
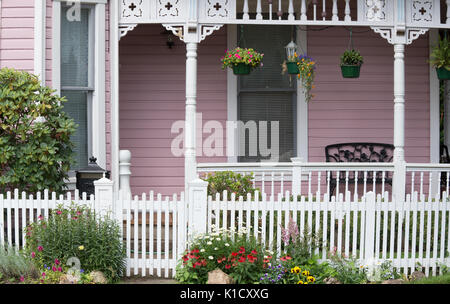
(306, 73)
(239, 184)
(351, 57)
(77, 232)
(234, 252)
(35, 147)
(440, 54)
(16, 266)
(247, 56)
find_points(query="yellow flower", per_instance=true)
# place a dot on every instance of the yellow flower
(305, 273)
(300, 282)
(81, 247)
(311, 279)
(297, 269)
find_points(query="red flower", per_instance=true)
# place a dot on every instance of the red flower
(241, 259)
(254, 252)
(195, 251)
(242, 250)
(285, 258)
(185, 258)
(234, 254)
(228, 266)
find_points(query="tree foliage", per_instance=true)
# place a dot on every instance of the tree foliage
(35, 147)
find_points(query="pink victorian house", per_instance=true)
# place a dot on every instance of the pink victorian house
(145, 76)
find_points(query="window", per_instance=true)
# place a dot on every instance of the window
(77, 71)
(266, 95)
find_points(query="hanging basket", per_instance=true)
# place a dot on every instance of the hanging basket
(241, 69)
(292, 68)
(443, 73)
(350, 71)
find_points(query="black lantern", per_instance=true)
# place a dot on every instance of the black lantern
(87, 176)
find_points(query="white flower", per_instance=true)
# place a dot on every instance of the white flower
(211, 257)
(209, 243)
(227, 245)
(202, 250)
(216, 248)
(218, 239)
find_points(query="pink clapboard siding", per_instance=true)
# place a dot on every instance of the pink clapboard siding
(17, 34)
(362, 110)
(152, 98)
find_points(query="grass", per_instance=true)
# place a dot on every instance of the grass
(442, 279)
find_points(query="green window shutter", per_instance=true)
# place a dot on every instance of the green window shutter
(266, 94)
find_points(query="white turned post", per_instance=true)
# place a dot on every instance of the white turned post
(303, 11)
(448, 11)
(104, 197)
(291, 10)
(296, 176)
(399, 122)
(258, 10)
(245, 10)
(347, 11)
(335, 11)
(198, 190)
(190, 165)
(124, 172)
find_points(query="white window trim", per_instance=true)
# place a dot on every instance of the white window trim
(232, 109)
(433, 39)
(39, 39)
(97, 113)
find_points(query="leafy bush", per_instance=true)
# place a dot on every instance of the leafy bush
(347, 270)
(234, 253)
(440, 55)
(35, 147)
(242, 55)
(351, 57)
(230, 181)
(285, 274)
(16, 266)
(77, 232)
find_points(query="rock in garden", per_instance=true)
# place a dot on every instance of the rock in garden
(98, 277)
(217, 276)
(392, 281)
(417, 275)
(331, 280)
(68, 279)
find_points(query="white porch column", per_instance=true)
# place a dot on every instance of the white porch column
(190, 165)
(399, 121)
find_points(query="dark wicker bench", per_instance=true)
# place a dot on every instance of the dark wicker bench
(359, 152)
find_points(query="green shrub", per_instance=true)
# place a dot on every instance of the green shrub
(78, 232)
(35, 147)
(351, 57)
(234, 253)
(232, 182)
(347, 270)
(440, 55)
(16, 266)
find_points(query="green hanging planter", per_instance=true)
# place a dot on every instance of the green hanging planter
(292, 68)
(241, 69)
(350, 71)
(443, 73)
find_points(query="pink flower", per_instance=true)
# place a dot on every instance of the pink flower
(22, 279)
(58, 212)
(40, 248)
(43, 274)
(57, 262)
(59, 269)
(33, 255)
(40, 217)
(54, 268)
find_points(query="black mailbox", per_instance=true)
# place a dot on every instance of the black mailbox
(87, 176)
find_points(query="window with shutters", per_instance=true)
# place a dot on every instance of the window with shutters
(265, 95)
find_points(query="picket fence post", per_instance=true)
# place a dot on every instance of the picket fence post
(369, 228)
(124, 172)
(197, 207)
(297, 175)
(104, 197)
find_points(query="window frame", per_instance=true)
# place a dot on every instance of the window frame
(96, 88)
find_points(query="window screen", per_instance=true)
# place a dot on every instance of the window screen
(75, 70)
(265, 94)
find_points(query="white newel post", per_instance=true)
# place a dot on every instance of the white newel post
(190, 165)
(124, 172)
(104, 197)
(369, 235)
(197, 207)
(399, 122)
(296, 175)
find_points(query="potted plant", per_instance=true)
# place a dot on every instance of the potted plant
(242, 60)
(351, 62)
(306, 73)
(440, 59)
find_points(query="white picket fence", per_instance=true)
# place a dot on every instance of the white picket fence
(155, 229)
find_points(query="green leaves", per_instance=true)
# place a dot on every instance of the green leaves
(230, 181)
(242, 55)
(35, 147)
(351, 57)
(440, 55)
